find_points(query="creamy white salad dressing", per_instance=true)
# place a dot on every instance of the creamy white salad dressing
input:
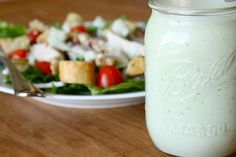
(190, 84)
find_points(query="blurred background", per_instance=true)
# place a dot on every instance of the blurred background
(21, 11)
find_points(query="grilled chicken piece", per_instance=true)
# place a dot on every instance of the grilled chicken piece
(56, 39)
(43, 52)
(77, 72)
(9, 45)
(131, 48)
(136, 66)
(96, 44)
(102, 60)
(122, 27)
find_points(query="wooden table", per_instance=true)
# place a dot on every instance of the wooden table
(32, 129)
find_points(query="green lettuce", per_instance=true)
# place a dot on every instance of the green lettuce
(79, 89)
(35, 76)
(73, 89)
(8, 30)
(125, 87)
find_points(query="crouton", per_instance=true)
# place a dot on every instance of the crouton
(20, 64)
(77, 72)
(72, 20)
(136, 66)
(54, 65)
(10, 45)
(37, 25)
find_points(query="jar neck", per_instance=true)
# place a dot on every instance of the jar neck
(191, 12)
(176, 18)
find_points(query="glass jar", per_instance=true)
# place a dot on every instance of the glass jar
(191, 77)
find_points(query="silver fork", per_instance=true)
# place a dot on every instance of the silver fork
(22, 87)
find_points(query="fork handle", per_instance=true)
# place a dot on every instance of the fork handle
(22, 87)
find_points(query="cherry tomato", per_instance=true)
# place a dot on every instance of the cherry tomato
(109, 76)
(79, 29)
(19, 54)
(33, 35)
(44, 67)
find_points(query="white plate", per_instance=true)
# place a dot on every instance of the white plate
(75, 101)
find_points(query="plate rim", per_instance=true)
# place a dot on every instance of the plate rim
(98, 97)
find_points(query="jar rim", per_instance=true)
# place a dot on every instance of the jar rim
(190, 12)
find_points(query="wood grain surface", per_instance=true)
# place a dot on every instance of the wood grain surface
(32, 129)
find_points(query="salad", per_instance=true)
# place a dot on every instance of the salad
(78, 57)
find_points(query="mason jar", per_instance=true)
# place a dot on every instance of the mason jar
(191, 77)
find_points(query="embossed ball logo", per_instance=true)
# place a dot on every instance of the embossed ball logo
(182, 76)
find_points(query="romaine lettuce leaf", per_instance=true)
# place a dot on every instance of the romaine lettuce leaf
(74, 89)
(78, 89)
(35, 76)
(10, 30)
(125, 87)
